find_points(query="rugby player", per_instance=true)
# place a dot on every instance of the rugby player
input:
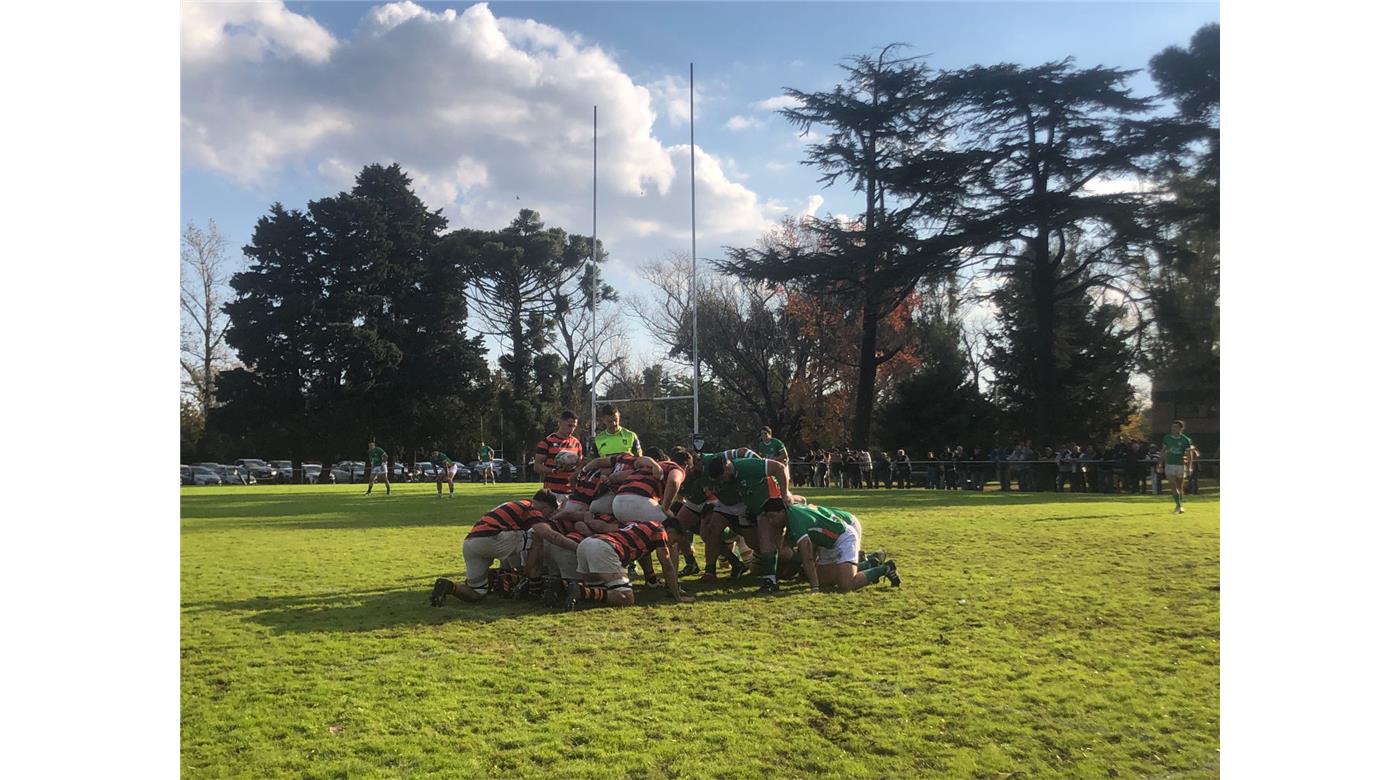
(377, 467)
(1177, 460)
(602, 558)
(769, 447)
(763, 488)
(827, 543)
(447, 467)
(550, 461)
(500, 535)
(698, 506)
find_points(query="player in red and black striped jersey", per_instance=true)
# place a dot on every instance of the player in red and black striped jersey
(615, 470)
(500, 535)
(557, 455)
(587, 487)
(601, 559)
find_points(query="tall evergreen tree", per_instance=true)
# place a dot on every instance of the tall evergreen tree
(347, 320)
(1183, 278)
(1092, 354)
(518, 274)
(883, 140)
(1046, 135)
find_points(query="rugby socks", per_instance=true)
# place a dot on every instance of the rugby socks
(1177, 498)
(507, 580)
(874, 573)
(589, 593)
(768, 566)
(734, 561)
(687, 553)
(868, 563)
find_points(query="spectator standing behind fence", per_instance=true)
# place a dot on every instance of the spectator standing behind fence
(1028, 458)
(903, 470)
(867, 466)
(999, 456)
(882, 470)
(1088, 472)
(1064, 469)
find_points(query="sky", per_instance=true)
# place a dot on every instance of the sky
(489, 107)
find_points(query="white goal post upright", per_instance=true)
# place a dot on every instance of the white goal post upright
(694, 308)
(694, 396)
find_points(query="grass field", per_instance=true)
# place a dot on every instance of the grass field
(1035, 635)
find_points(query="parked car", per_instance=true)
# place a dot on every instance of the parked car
(199, 475)
(211, 466)
(233, 475)
(185, 476)
(344, 471)
(255, 468)
(505, 470)
(310, 473)
(354, 470)
(281, 470)
(425, 471)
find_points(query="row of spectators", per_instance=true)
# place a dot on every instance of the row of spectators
(1127, 467)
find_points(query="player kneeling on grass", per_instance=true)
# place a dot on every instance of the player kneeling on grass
(827, 543)
(500, 536)
(602, 562)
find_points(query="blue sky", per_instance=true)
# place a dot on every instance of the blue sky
(284, 103)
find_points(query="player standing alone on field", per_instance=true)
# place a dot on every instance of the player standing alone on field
(377, 467)
(1177, 460)
(557, 455)
(447, 467)
(769, 447)
(488, 469)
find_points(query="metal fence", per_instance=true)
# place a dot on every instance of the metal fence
(1095, 476)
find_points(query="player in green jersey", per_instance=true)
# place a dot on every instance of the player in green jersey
(1177, 460)
(377, 467)
(769, 447)
(763, 488)
(827, 542)
(484, 456)
(447, 469)
(698, 512)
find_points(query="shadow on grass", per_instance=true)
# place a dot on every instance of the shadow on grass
(365, 611)
(378, 609)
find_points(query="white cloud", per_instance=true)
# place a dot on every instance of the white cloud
(777, 103)
(488, 114)
(212, 33)
(673, 94)
(738, 123)
(814, 202)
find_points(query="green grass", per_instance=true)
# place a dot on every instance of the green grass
(1036, 635)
